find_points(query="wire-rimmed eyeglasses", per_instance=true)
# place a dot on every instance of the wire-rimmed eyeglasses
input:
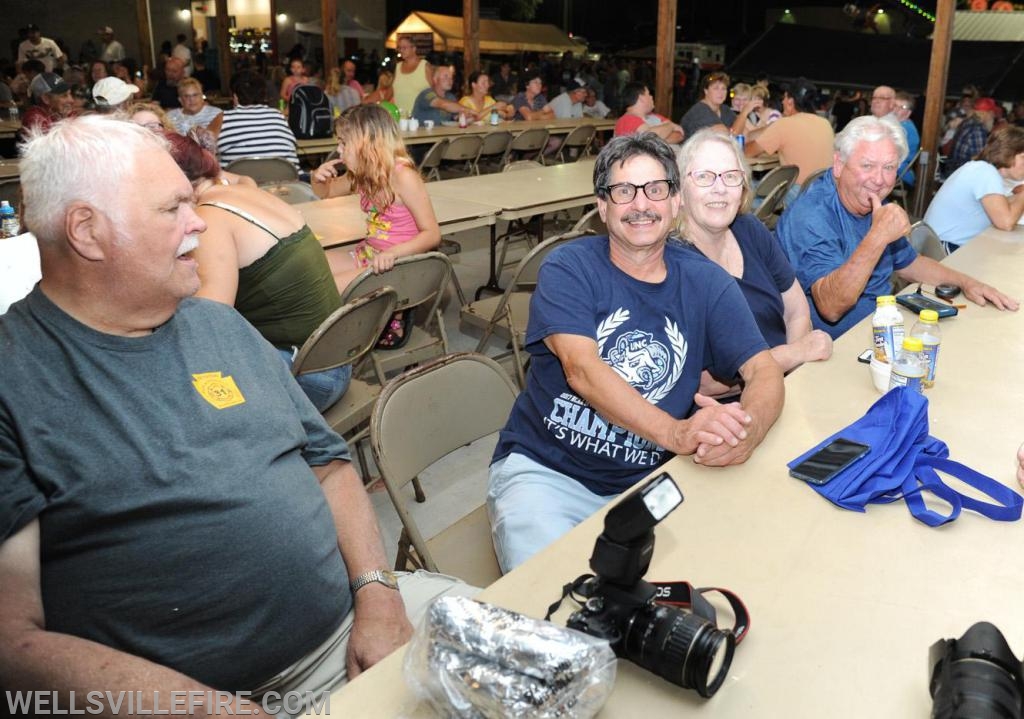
(706, 178)
(623, 192)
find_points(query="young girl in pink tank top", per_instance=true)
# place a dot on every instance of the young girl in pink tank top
(400, 220)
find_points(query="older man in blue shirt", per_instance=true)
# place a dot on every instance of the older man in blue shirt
(845, 244)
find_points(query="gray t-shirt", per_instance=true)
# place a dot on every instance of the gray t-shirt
(179, 517)
(700, 116)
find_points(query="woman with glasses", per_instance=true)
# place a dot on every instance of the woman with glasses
(715, 195)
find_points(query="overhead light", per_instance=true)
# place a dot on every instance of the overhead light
(282, 17)
(185, 13)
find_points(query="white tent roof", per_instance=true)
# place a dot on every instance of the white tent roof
(348, 26)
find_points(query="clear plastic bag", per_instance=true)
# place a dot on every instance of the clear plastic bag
(469, 659)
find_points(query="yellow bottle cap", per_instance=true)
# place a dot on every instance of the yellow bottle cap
(929, 316)
(913, 344)
(885, 300)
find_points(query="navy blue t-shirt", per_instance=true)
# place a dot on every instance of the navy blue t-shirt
(766, 275)
(656, 336)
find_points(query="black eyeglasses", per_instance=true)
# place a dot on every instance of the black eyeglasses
(623, 192)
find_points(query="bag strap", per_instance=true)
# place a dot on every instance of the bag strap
(1007, 506)
(685, 595)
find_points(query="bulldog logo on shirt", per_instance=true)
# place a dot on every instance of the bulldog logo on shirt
(218, 390)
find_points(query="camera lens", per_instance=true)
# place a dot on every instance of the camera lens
(976, 676)
(685, 649)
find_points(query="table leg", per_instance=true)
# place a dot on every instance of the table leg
(492, 281)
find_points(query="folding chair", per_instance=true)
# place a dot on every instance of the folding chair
(494, 150)
(264, 170)
(464, 149)
(10, 190)
(924, 239)
(529, 145)
(773, 188)
(347, 337)
(579, 140)
(421, 281)
(591, 224)
(812, 177)
(291, 192)
(469, 397)
(518, 229)
(432, 161)
(506, 315)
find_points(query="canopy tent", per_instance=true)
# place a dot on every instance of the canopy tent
(854, 59)
(496, 36)
(348, 26)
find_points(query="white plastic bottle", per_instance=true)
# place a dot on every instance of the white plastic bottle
(927, 330)
(9, 225)
(462, 120)
(910, 366)
(887, 328)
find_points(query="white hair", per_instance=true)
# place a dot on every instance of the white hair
(868, 128)
(82, 159)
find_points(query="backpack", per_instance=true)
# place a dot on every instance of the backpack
(309, 113)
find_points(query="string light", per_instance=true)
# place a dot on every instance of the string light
(918, 10)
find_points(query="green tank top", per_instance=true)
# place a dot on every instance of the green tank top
(289, 291)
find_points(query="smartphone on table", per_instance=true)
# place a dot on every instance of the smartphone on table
(822, 466)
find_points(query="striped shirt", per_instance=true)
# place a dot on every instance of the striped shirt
(255, 131)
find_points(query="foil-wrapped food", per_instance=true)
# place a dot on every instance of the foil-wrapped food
(469, 659)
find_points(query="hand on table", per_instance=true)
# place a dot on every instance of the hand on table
(814, 346)
(712, 425)
(1020, 465)
(981, 294)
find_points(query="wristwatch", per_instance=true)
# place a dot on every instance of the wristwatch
(381, 576)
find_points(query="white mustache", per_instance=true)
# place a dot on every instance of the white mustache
(189, 243)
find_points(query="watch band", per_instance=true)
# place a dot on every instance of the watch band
(380, 576)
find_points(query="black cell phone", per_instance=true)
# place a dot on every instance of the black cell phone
(918, 302)
(822, 466)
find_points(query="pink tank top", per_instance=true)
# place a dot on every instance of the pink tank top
(389, 228)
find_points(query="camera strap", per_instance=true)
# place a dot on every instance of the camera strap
(684, 595)
(681, 595)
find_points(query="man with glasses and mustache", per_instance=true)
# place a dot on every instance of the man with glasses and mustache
(620, 329)
(845, 244)
(175, 514)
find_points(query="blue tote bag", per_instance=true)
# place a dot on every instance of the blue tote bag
(904, 462)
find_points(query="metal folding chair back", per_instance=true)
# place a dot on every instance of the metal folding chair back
(291, 192)
(465, 150)
(529, 144)
(494, 149)
(264, 170)
(924, 239)
(506, 315)
(420, 281)
(591, 224)
(576, 143)
(812, 177)
(468, 397)
(432, 161)
(347, 337)
(773, 188)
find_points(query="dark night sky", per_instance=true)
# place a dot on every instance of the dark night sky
(634, 23)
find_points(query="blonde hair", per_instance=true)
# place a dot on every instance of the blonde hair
(333, 86)
(372, 134)
(685, 161)
(741, 89)
(152, 107)
(190, 82)
(759, 91)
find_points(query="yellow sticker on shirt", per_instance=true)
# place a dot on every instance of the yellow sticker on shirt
(220, 391)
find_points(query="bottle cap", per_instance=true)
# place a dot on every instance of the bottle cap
(929, 316)
(882, 300)
(913, 344)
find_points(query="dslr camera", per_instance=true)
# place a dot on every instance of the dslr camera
(976, 676)
(619, 605)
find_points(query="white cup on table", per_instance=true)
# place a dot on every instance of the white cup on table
(414, 124)
(403, 124)
(428, 124)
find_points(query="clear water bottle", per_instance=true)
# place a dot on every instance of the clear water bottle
(910, 366)
(9, 225)
(927, 330)
(887, 328)
(494, 117)
(14, 114)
